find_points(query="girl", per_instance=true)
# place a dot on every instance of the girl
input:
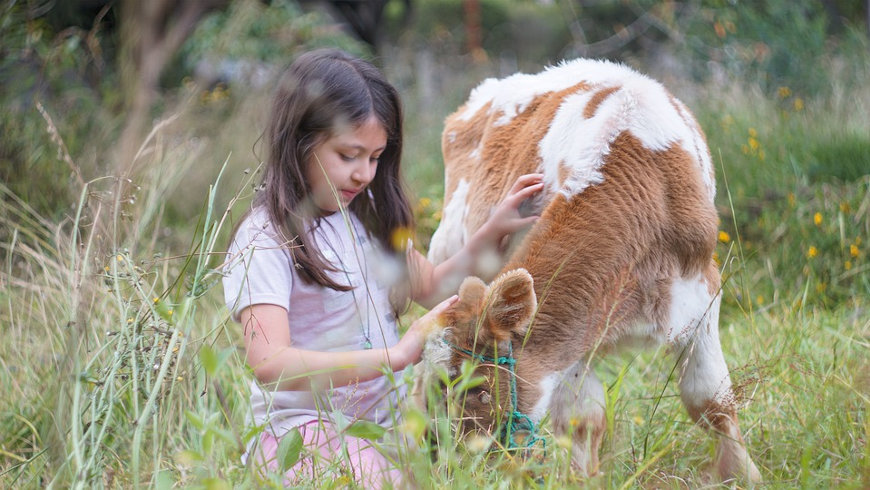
(318, 267)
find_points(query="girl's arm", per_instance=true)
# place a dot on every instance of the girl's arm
(431, 284)
(280, 366)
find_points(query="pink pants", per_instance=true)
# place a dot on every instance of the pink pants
(323, 457)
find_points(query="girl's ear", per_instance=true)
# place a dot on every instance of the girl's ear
(512, 303)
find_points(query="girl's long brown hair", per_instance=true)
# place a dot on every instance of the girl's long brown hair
(321, 91)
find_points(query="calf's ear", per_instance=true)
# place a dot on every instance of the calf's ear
(512, 303)
(472, 292)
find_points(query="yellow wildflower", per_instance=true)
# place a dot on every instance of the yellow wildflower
(791, 199)
(817, 219)
(753, 143)
(716, 258)
(845, 207)
(799, 104)
(724, 237)
(784, 92)
(812, 252)
(759, 300)
(564, 441)
(753, 133)
(848, 265)
(425, 202)
(401, 237)
(478, 444)
(853, 250)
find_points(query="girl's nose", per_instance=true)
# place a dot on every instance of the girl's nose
(364, 173)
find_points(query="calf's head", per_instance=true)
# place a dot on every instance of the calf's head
(486, 327)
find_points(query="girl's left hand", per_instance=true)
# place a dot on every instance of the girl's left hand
(410, 346)
(506, 218)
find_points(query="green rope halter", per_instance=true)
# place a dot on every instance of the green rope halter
(517, 421)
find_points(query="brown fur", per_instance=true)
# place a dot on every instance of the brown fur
(596, 101)
(599, 264)
(507, 152)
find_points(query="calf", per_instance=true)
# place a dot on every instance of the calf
(622, 252)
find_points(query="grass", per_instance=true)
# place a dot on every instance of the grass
(122, 368)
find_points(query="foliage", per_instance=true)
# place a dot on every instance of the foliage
(776, 43)
(793, 184)
(238, 34)
(521, 32)
(61, 72)
(753, 43)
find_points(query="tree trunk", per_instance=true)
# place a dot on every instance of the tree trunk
(151, 33)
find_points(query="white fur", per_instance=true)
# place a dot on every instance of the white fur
(704, 375)
(579, 400)
(689, 310)
(451, 234)
(436, 350)
(641, 106)
(547, 386)
(511, 95)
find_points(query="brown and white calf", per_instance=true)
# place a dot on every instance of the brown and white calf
(623, 250)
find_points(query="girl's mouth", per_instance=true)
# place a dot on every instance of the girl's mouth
(348, 195)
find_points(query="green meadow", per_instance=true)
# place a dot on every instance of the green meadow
(120, 366)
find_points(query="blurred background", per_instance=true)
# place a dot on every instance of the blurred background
(130, 141)
(105, 71)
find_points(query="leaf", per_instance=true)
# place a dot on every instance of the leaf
(366, 430)
(223, 434)
(164, 309)
(289, 449)
(194, 419)
(188, 457)
(209, 359)
(215, 483)
(207, 442)
(163, 480)
(252, 432)
(413, 423)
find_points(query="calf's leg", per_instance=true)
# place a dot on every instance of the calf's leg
(705, 389)
(577, 411)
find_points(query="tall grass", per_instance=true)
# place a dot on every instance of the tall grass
(122, 368)
(105, 330)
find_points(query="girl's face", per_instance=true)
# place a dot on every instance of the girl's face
(342, 165)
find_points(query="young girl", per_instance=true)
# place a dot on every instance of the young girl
(317, 269)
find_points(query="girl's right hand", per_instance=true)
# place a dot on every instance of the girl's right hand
(410, 347)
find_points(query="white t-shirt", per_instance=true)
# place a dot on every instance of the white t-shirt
(260, 271)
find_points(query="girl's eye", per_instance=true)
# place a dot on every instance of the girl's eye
(347, 158)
